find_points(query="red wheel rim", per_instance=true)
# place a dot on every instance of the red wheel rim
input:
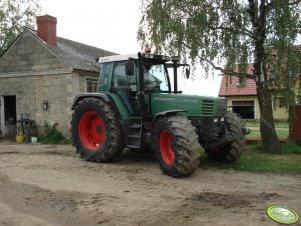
(167, 153)
(91, 130)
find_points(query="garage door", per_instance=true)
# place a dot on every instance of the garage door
(244, 108)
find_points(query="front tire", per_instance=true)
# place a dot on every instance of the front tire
(96, 132)
(232, 150)
(176, 146)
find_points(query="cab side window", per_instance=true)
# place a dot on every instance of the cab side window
(105, 70)
(120, 79)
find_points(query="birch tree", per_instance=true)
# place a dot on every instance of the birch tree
(15, 15)
(223, 33)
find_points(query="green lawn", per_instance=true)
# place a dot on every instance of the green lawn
(282, 129)
(254, 161)
(255, 123)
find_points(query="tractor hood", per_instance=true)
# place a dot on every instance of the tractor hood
(195, 106)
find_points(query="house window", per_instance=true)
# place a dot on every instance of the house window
(279, 102)
(91, 85)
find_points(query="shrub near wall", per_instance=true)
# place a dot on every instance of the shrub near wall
(51, 135)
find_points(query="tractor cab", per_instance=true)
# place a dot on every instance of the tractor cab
(135, 77)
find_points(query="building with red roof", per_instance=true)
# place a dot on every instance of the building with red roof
(242, 98)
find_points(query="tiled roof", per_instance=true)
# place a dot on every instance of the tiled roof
(230, 86)
(77, 55)
(233, 89)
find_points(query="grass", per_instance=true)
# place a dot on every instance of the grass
(255, 123)
(253, 160)
(282, 129)
(280, 133)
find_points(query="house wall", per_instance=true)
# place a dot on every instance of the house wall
(60, 92)
(83, 76)
(34, 74)
(280, 114)
(57, 91)
(245, 98)
(28, 55)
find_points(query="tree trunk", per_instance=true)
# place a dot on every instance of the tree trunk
(269, 137)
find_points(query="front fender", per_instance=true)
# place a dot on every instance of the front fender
(163, 114)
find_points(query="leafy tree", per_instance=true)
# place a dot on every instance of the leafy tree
(232, 32)
(15, 15)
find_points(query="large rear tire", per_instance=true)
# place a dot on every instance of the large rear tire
(96, 132)
(232, 150)
(176, 146)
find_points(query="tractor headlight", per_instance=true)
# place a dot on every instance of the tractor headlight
(222, 119)
(215, 120)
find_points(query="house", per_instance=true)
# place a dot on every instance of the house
(241, 96)
(41, 73)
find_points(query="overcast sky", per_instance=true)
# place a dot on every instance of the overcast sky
(112, 25)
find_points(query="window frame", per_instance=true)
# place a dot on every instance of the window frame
(94, 84)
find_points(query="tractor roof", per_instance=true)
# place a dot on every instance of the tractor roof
(117, 58)
(133, 56)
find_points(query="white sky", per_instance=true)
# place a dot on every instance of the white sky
(112, 25)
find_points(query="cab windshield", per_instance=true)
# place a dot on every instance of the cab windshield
(156, 78)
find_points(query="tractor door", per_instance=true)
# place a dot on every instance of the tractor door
(125, 86)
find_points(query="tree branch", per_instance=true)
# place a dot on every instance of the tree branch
(228, 72)
(242, 31)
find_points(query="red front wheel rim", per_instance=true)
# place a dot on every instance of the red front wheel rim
(91, 130)
(167, 153)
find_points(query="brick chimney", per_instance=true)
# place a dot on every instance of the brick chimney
(46, 29)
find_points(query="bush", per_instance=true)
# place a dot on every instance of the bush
(51, 135)
(291, 147)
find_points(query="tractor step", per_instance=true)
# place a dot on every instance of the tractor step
(135, 126)
(133, 146)
(134, 136)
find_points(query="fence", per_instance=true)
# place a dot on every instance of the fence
(295, 129)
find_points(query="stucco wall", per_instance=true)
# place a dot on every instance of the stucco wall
(245, 98)
(279, 113)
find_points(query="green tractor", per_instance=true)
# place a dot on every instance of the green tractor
(137, 106)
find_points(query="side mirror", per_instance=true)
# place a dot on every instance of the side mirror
(130, 67)
(187, 73)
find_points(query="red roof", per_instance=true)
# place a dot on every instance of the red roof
(232, 87)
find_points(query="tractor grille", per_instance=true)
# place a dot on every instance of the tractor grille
(207, 107)
(221, 107)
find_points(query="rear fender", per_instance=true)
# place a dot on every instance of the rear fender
(82, 96)
(102, 96)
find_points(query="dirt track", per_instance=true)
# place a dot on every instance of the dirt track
(50, 185)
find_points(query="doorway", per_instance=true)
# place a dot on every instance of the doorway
(8, 115)
(246, 109)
